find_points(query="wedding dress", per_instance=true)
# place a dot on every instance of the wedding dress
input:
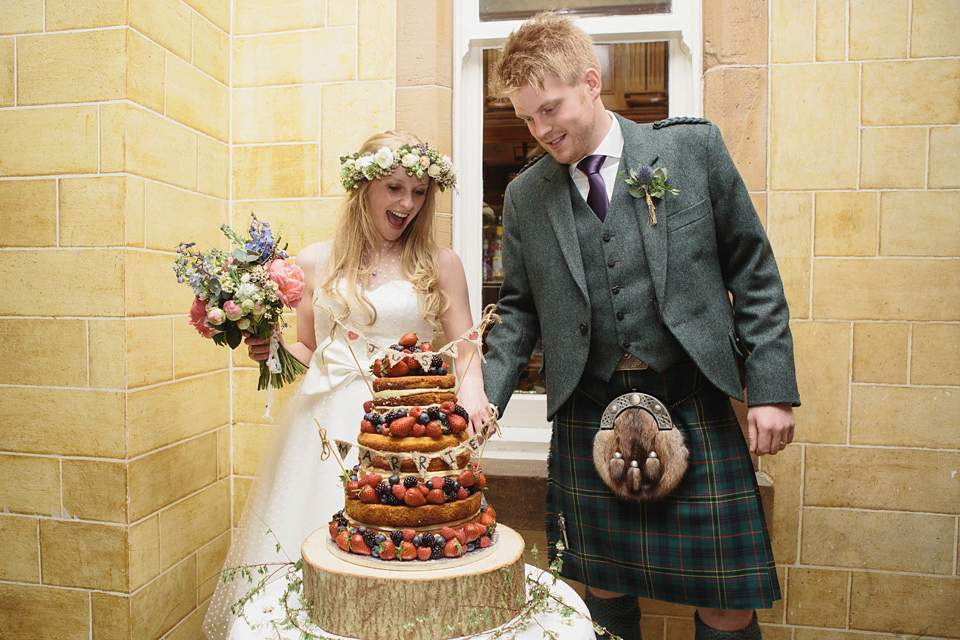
(296, 493)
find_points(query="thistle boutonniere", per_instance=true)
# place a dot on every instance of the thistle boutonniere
(649, 183)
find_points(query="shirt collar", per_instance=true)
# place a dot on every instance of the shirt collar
(611, 145)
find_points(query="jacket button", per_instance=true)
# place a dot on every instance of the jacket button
(606, 237)
(616, 289)
(619, 315)
(611, 262)
(583, 329)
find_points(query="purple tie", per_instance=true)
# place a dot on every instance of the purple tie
(597, 196)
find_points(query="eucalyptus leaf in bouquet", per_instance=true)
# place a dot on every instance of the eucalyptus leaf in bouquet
(243, 292)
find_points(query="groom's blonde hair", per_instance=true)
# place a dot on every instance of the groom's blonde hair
(545, 45)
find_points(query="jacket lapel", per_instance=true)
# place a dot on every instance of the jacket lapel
(639, 147)
(559, 210)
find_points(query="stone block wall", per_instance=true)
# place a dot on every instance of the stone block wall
(864, 201)
(114, 427)
(126, 127)
(297, 109)
(311, 81)
(843, 116)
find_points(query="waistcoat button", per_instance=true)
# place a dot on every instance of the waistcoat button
(583, 329)
(619, 315)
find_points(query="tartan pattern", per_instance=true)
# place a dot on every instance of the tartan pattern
(706, 544)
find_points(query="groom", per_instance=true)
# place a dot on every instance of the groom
(626, 298)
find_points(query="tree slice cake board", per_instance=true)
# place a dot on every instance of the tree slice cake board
(382, 603)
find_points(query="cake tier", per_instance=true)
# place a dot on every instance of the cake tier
(381, 515)
(388, 452)
(347, 599)
(413, 399)
(423, 444)
(413, 382)
(413, 391)
(486, 517)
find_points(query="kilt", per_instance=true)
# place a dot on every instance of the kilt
(706, 544)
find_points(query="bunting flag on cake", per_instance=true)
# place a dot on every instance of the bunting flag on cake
(421, 460)
(473, 336)
(343, 447)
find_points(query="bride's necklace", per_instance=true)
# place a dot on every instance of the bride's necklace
(384, 257)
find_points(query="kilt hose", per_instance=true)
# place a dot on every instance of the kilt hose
(706, 544)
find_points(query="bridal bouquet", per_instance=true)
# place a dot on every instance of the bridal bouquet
(243, 292)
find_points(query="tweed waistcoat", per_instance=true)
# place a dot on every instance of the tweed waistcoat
(622, 298)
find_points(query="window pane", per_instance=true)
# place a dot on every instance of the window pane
(634, 85)
(492, 10)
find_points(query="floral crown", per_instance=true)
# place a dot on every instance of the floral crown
(417, 160)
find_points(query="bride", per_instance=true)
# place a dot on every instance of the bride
(384, 270)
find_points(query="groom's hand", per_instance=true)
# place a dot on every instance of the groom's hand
(769, 428)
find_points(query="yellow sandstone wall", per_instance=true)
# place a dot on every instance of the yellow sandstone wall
(127, 442)
(114, 416)
(864, 207)
(844, 119)
(311, 81)
(308, 87)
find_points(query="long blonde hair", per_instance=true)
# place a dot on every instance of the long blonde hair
(356, 248)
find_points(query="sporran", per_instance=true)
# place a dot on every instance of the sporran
(638, 452)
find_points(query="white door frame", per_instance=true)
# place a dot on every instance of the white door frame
(526, 432)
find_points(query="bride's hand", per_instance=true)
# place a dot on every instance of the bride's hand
(257, 348)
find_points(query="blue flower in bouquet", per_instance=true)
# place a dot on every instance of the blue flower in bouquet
(261, 242)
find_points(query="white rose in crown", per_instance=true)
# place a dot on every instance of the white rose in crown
(408, 160)
(365, 162)
(384, 158)
(433, 171)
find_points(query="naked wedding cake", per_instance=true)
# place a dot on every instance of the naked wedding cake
(414, 531)
(415, 494)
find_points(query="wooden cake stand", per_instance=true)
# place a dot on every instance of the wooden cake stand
(384, 603)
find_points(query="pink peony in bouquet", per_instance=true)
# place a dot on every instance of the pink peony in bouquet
(243, 292)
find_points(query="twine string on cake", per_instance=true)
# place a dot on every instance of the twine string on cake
(474, 335)
(354, 355)
(327, 447)
(485, 429)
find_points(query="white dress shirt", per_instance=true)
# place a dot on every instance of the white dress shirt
(612, 147)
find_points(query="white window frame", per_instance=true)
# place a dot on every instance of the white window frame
(526, 431)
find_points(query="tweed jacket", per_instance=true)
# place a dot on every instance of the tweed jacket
(717, 286)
